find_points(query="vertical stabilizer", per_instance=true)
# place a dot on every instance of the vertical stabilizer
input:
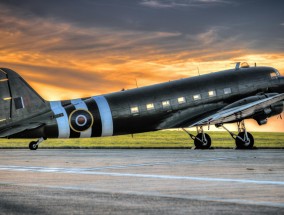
(17, 99)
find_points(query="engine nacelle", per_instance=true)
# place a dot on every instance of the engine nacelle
(272, 110)
(249, 100)
(261, 116)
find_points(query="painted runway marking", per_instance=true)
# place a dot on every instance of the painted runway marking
(134, 175)
(157, 163)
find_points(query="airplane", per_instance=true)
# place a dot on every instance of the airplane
(229, 96)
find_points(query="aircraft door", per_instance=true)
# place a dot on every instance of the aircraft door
(5, 98)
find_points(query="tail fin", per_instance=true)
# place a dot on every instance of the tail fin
(17, 99)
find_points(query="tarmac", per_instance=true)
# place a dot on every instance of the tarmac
(146, 181)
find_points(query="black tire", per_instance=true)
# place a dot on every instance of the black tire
(33, 145)
(244, 145)
(201, 145)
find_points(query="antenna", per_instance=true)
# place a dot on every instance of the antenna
(198, 71)
(254, 64)
(136, 82)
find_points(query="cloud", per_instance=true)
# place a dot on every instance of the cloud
(95, 60)
(180, 3)
(62, 59)
(156, 4)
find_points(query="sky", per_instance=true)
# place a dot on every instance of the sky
(69, 48)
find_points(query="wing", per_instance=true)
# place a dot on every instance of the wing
(240, 112)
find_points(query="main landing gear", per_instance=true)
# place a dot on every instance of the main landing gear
(201, 140)
(34, 144)
(244, 139)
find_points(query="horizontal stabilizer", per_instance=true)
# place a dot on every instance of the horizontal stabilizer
(19, 128)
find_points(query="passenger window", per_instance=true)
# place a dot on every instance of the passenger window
(150, 106)
(227, 91)
(181, 100)
(212, 93)
(197, 97)
(166, 103)
(134, 110)
(7, 98)
(2, 80)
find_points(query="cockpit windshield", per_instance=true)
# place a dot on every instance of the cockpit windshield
(274, 74)
(277, 72)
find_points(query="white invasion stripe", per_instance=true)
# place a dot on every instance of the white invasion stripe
(62, 122)
(106, 116)
(80, 104)
(117, 174)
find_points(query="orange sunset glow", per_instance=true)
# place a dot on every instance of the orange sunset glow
(64, 58)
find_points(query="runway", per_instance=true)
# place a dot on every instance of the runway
(148, 181)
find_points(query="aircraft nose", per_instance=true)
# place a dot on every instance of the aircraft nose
(281, 83)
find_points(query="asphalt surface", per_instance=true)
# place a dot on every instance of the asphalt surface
(149, 181)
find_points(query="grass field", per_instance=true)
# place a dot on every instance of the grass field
(159, 139)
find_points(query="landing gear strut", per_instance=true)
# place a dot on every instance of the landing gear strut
(34, 144)
(201, 140)
(244, 139)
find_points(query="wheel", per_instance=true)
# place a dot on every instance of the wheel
(241, 144)
(33, 145)
(205, 144)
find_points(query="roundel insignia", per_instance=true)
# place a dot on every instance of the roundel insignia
(80, 120)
